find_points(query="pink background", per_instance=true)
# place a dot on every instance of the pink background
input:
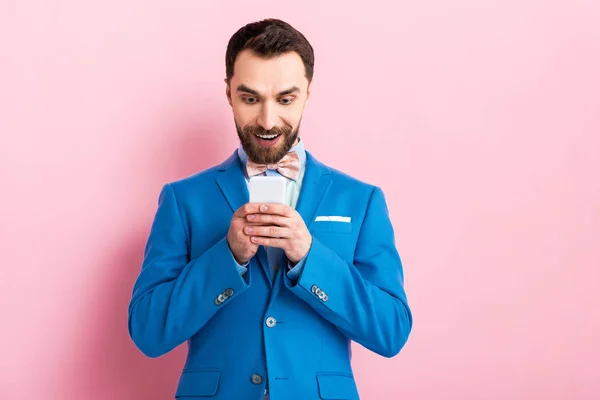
(480, 120)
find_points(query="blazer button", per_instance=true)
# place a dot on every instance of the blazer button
(314, 288)
(218, 302)
(256, 379)
(271, 322)
(229, 292)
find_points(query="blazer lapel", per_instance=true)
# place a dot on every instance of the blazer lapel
(315, 184)
(232, 182)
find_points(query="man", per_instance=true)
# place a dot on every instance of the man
(269, 296)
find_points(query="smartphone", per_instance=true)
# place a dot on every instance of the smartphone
(267, 189)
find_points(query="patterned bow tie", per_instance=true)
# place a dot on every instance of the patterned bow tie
(288, 166)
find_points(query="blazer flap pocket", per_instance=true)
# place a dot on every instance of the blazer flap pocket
(331, 226)
(201, 382)
(337, 387)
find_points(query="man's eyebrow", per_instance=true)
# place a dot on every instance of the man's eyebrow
(246, 89)
(289, 91)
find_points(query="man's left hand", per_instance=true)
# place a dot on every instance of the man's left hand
(279, 225)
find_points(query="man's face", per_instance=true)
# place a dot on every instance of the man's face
(268, 97)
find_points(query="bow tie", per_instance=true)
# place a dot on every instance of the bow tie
(288, 166)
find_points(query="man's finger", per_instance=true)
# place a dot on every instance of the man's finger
(269, 242)
(269, 219)
(248, 208)
(277, 209)
(268, 231)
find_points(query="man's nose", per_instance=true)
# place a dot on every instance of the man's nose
(267, 118)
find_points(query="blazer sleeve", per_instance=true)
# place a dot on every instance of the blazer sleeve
(173, 296)
(365, 300)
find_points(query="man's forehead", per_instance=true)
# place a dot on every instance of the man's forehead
(269, 75)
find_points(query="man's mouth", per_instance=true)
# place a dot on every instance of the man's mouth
(267, 137)
(268, 140)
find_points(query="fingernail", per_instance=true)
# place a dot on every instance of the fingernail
(264, 208)
(249, 230)
(251, 217)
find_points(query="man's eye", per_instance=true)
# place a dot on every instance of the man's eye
(249, 100)
(286, 102)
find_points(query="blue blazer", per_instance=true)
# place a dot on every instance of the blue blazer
(243, 331)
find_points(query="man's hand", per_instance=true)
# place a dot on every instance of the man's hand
(278, 225)
(239, 242)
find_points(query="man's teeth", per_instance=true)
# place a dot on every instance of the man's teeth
(267, 136)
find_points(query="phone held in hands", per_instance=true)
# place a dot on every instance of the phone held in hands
(267, 189)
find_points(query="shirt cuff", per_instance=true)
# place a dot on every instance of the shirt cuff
(242, 268)
(296, 270)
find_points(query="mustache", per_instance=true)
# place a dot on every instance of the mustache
(276, 130)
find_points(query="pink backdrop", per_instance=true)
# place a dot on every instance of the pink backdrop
(480, 120)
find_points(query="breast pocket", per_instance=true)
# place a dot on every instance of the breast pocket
(331, 227)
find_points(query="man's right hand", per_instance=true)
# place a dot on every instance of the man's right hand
(239, 242)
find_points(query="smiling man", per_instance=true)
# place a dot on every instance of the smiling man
(270, 296)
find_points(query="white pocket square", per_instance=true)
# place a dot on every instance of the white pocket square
(332, 218)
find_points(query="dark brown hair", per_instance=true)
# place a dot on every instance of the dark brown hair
(269, 38)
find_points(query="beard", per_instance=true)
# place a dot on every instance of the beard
(267, 155)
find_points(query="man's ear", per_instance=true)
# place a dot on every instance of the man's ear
(228, 92)
(307, 93)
